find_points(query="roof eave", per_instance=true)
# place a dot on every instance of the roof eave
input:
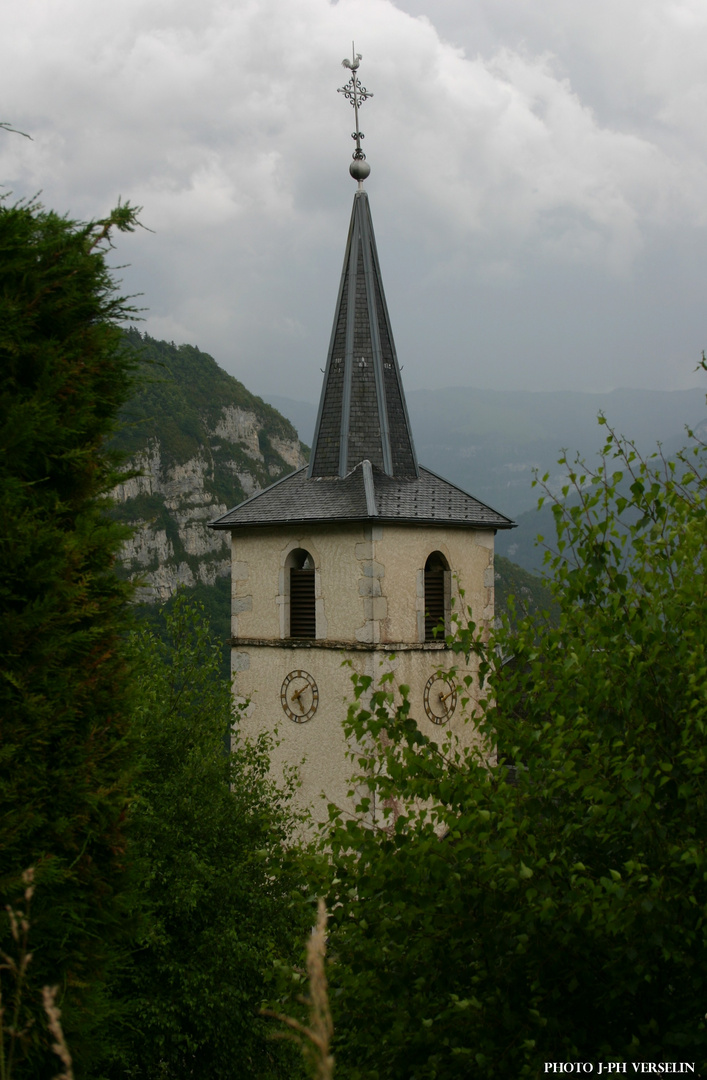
(511, 524)
(379, 519)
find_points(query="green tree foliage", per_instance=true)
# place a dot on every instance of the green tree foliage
(222, 884)
(64, 374)
(519, 592)
(181, 398)
(484, 927)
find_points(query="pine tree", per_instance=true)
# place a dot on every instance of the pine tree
(64, 374)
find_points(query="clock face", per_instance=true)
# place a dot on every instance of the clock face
(299, 696)
(440, 698)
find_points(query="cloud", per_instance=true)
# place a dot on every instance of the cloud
(236, 111)
(221, 119)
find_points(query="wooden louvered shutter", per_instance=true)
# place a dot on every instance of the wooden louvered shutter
(303, 619)
(434, 604)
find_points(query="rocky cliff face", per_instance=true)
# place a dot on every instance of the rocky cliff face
(173, 546)
(238, 447)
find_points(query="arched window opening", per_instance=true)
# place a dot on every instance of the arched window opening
(303, 612)
(437, 597)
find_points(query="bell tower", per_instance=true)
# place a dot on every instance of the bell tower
(360, 556)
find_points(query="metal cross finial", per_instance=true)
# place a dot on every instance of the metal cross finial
(356, 94)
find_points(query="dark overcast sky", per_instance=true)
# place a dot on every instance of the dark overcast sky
(538, 178)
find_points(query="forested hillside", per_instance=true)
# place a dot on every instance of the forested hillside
(529, 592)
(200, 443)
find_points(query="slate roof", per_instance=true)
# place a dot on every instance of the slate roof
(363, 465)
(365, 494)
(362, 411)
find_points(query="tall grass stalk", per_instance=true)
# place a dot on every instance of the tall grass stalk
(54, 1021)
(13, 1031)
(316, 1037)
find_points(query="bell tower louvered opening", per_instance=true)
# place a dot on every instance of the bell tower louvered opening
(303, 610)
(437, 593)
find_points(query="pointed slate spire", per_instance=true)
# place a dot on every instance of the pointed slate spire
(362, 411)
(363, 465)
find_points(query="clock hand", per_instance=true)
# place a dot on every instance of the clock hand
(443, 699)
(298, 694)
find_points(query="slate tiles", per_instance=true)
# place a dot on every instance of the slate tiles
(425, 499)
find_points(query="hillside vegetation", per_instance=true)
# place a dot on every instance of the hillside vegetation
(199, 443)
(529, 593)
(180, 401)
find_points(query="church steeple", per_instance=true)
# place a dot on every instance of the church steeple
(357, 559)
(363, 466)
(362, 412)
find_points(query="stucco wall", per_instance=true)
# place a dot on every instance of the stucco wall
(368, 580)
(318, 747)
(370, 596)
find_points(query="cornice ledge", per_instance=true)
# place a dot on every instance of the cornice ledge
(340, 646)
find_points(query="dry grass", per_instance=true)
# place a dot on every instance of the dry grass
(54, 1020)
(315, 1038)
(13, 1031)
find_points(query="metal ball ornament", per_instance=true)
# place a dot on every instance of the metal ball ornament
(359, 169)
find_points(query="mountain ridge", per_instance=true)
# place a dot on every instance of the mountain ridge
(198, 443)
(490, 441)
